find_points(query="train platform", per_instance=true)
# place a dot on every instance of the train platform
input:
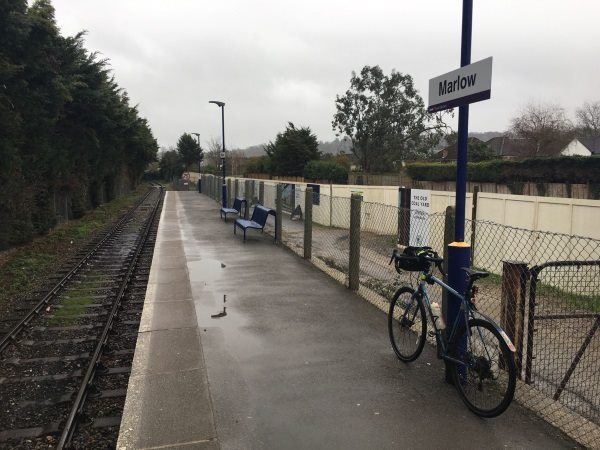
(248, 346)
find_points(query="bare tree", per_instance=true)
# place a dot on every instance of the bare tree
(212, 157)
(542, 125)
(588, 119)
(235, 159)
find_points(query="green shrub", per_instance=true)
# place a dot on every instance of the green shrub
(326, 170)
(564, 169)
(258, 164)
(210, 169)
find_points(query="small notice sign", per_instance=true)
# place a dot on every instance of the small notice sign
(419, 217)
(469, 84)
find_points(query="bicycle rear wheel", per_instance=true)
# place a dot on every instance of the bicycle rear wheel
(407, 324)
(486, 379)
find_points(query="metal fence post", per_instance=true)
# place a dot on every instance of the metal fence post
(278, 213)
(354, 257)
(229, 199)
(308, 204)
(474, 221)
(404, 216)
(512, 306)
(222, 197)
(236, 188)
(261, 193)
(330, 203)
(448, 238)
(248, 197)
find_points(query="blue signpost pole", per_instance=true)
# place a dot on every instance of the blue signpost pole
(459, 252)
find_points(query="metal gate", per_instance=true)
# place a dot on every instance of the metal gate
(288, 197)
(562, 339)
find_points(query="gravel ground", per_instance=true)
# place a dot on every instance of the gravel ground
(56, 347)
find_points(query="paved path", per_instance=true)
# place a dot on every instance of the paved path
(297, 361)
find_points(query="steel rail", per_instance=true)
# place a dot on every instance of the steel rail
(7, 339)
(78, 404)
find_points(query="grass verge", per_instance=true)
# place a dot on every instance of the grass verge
(23, 269)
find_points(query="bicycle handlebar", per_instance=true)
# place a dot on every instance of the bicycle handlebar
(428, 254)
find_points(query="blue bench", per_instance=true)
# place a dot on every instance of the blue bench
(257, 221)
(237, 208)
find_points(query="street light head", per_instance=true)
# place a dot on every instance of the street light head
(217, 102)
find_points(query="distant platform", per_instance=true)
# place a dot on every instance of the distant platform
(248, 346)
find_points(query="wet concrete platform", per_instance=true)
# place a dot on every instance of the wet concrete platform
(247, 346)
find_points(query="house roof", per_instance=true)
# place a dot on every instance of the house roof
(510, 147)
(449, 152)
(592, 144)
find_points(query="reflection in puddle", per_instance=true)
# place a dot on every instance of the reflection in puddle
(221, 314)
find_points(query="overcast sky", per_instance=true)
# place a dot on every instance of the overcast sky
(277, 61)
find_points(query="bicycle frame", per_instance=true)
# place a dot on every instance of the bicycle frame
(444, 339)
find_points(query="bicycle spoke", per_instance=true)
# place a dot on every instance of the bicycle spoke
(487, 377)
(406, 325)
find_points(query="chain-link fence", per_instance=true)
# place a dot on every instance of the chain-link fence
(543, 288)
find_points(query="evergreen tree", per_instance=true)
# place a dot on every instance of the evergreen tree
(188, 149)
(292, 150)
(66, 128)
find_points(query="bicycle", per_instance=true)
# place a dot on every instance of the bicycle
(480, 357)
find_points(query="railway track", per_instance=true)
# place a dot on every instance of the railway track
(65, 363)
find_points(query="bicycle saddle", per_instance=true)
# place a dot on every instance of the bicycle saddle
(475, 274)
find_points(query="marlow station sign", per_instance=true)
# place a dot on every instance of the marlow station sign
(469, 84)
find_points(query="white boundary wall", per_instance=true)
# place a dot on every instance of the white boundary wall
(554, 214)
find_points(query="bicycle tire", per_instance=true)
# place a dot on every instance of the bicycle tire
(484, 370)
(396, 310)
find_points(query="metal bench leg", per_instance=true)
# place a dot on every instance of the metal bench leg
(234, 228)
(244, 235)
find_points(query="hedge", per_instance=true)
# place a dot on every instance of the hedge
(258, 164)
(326, 170)
(564, 169)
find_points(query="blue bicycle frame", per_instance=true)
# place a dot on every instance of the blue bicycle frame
(466, 308)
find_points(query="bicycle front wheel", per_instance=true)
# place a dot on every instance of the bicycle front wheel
(407, 324)
(487, 376)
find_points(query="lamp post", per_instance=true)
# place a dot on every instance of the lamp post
(224, 186)
(199, 160)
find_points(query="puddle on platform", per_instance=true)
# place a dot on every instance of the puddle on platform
(205, 270)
